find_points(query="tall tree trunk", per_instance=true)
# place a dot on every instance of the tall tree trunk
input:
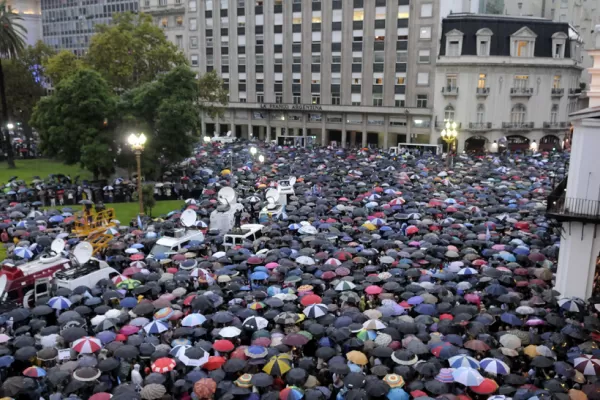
(10, 158)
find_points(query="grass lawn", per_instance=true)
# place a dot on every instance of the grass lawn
(27, 169)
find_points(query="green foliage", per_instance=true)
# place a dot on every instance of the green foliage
(212, 96)
(61, 66)
(148, 197)
(132, 51)
(168, 108)
(71, 123)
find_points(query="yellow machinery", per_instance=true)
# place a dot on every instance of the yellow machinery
(94, 227)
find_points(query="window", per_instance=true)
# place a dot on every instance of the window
(359, 15)
(164, 22)
(522, 50)
(179, 20)
(194, 60)
(559, 41)
(454, 41)
(400, 80)
(523, 43)
(449, 113)
(521, 81)
(297, 98)
(424, 56)
(193, 42)
(336, 59)
(481, 82)
(224, 59)
(210, 59)
(427, 10)
(556, 82)
(379, 56)
(517, 114)
(425, 33)
(399, 103)
(209, 42)
(260, 59)
(451, 81)
(378, 100)
(192, 5)
(315, 99)
(422, 100)
(193, 24)
(483, 48)
(179, 41)
(484, 37)
(241, 60)
(356, 103)
(423, 78)
(278, 98)
(260, 97)
(401, 56)
(453, 48)
(554, 114)
(377, 81)
(480, 113)
(335, 100)
(316, 59)
(162, 2)
(357, 60)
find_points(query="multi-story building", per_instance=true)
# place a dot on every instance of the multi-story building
(69, 24)
(354, 72)
(507, 80)
(31, 13)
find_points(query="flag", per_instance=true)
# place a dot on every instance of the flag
(487, 233)
(139, 222)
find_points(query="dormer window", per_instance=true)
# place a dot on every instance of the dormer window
(559, 42)
(484, 39)
(454, 41)
(523, 43)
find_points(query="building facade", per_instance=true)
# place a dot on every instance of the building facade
(69, 24)
(30, 11)
(313, 71)
(507, 81)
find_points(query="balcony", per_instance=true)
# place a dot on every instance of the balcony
(574, 92)
(556, 125)
(450, 91)
(517, 126)
(483, 91)
(564, 209)
(480, 126)
(558, 92)
(521, 92)
(442, 124)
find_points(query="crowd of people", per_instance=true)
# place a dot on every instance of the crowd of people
(387, 277)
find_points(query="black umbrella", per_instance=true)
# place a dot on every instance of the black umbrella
(354, 380)
(262, 380)
(296, 377)
(234, 365)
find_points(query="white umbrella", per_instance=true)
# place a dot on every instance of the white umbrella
(230, 332)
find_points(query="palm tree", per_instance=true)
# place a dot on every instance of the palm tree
(12, 42)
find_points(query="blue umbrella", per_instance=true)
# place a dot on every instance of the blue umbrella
(106, 336)
(397, 394)
(156, 327)
(129, 302)
(511, 319)
(23, 252)
(6, 361)
(426, 309)
(137, 246)
(496, 289)
(59, 303)
(259, 276)
(56, 219)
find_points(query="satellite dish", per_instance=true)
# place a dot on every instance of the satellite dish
(292, 180)
(3, 282)
(188, 218)
(226, 196)
(58, 245)
(83, 252)
(272, 197)
(228, 133)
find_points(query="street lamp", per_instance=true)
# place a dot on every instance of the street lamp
(449, 135)
(533, 146)
(137, 143)
(261, 158)
(253, 151)
(10, 126)
(206, 139)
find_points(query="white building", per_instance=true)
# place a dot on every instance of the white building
(31, 12)
(506, 80)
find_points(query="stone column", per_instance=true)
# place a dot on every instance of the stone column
(203, 125)
(352, 139)
(277, 133)
(386, 131)
(232, 129)
(250, 129)
(218, 126)
(344, 133)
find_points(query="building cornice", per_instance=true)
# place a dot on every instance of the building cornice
(503, 61)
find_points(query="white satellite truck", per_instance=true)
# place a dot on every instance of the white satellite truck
(277, 199)
(223, 218)
(175, 239)
(228, 138)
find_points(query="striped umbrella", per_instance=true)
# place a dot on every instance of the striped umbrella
(468, 271)
(467, 376)
(344, 285)
(128, 284)
(315, 310)
(34, 372)
(176, 351)
(587, 365)
(570, 304)
(463, 360)
(156, 327)
(163, 313)
(193, 320)
(23, 252)
(291, 393)
(87, 345)
(445, 375)
(494, 366)
(278, 366)
(59, 303)
(394, 380)
(163, 365)
(255, 323)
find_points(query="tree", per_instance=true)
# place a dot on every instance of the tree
(73, 122)
(168, 108)
(61, 66)
(132, 51)
(148, 197)
(212, 96)
(12, 43)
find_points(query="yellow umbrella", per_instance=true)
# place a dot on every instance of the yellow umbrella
(575, 394)
(357, 357)
(531, 351)
(277, 366)
(369, 226)
(225, 172)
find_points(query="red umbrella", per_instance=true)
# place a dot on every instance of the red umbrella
(131, 270)
(254, 260)
(223, 346)
(488, 386)
(239, 353)
(205, 388)
(328, 275)
(136, 257)
(373, 289)
(412, 230)
(295, 339)
(163, 364)
(342, 255)
(310, 299)
(101, 396)
(214, 362)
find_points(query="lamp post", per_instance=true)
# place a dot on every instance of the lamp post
(449, 135)
(137, 143)
(533, 146)
(253, 151)
(10, 126)
(206, 139)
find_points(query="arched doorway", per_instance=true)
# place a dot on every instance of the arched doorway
(550, 143)
(475, 144)
(517, 143)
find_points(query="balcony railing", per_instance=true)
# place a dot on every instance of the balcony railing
(556, 125)
(574, 92)
(483, 91)
(450, 91)
(480, 126)
(558, 92)
(519, 91)
(573, 209)
(442, 124)
(517, 125)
